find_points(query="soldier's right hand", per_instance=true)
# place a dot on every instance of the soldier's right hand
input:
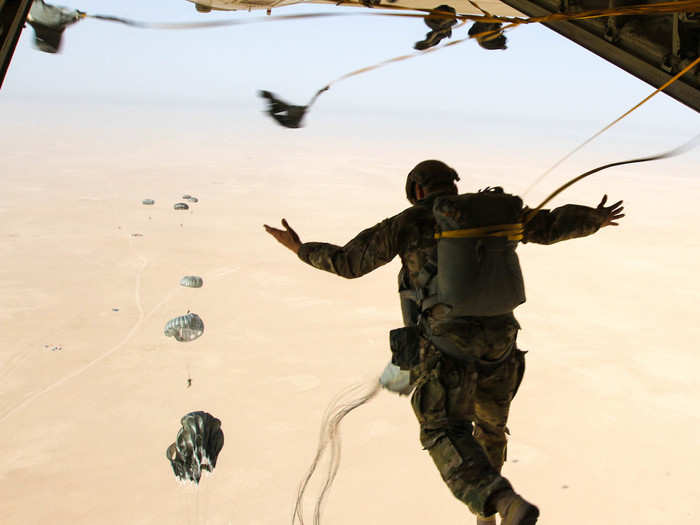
(287, 237)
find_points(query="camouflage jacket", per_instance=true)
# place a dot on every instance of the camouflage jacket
(410, 235)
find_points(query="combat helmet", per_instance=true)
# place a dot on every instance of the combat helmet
(430, 174)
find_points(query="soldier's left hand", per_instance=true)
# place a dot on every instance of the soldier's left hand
(287, 237)
(610, 214)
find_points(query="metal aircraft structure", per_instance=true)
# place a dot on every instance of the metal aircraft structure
(652, 47)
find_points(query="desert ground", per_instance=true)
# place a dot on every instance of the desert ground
(604, 429)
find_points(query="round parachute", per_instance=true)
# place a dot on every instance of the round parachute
(197, 446)
(185, 328)
(181, 206)
(192, 281)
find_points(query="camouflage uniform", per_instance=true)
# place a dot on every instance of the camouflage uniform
(462, 406)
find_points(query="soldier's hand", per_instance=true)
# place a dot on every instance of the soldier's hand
(610, 214)
(288, 237)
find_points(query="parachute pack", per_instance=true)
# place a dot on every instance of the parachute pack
(477, 272)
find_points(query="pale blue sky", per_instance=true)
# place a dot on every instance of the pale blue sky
(543, 89)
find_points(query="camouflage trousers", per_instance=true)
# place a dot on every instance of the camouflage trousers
(462, 407)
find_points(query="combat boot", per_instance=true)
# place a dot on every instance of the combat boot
(482, 520)
(514, 510)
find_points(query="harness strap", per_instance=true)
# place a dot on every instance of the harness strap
(513, 232)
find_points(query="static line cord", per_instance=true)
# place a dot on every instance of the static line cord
(403, 57)
(330, 438)
(618, 119)
(692, 143)
(213, 23)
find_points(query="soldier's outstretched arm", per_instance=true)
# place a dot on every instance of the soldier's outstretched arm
(369, 250)
(570, 221)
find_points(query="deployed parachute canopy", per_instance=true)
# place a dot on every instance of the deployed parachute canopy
(49, 22)
(197, 446)
(192, 281)
(185, 328)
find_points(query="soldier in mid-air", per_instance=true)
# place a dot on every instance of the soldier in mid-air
(464, 369)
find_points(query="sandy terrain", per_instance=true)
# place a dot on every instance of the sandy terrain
(604, 429)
